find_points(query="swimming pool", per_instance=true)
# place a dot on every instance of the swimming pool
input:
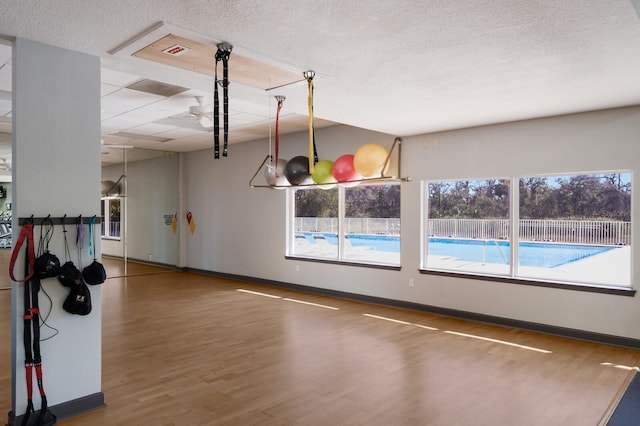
(541, 255)
(388, 243)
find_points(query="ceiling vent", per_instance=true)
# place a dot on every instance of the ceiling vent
(156, 87)
(176, 50)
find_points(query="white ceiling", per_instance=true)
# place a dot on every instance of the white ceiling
(401, 68)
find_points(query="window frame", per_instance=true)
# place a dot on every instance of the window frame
(340, 258)
(106, 219)
(514, 276)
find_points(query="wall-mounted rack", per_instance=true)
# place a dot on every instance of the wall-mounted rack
(67, 220)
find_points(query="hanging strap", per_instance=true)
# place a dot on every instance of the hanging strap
(46, 233)
(216, 113)
(80, 230)
(92, 238)
(313, 153)
(280, 100)
(67, 252)
(223, 53)
(31, 340)
(26, 235)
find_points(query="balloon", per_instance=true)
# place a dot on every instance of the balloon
(322, 172)
(369, 160)
(274, 175)
(109, 188)
(343, 169)
(297, 170)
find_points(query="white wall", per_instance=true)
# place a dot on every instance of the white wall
(242, 231)
(152, 193)
(56, 171)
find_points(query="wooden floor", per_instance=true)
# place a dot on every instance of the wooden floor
(187, 349)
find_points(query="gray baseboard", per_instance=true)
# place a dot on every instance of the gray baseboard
(67, 409)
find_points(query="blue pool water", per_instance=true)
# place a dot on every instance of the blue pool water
(376, 242)
(544, 255)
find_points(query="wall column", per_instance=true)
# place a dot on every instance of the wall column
(56, 171)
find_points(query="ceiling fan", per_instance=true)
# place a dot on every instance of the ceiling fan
(204, 113)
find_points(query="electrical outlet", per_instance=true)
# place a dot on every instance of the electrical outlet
(410, 282)
(297, 268)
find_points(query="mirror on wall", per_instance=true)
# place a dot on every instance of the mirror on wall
(139, 208)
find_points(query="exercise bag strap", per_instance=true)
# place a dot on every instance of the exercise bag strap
(67, 252)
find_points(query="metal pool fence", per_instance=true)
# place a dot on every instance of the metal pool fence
(593, 232)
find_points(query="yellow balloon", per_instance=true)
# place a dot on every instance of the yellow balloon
(369, 160)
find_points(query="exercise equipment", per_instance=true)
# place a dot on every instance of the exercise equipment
(274, 175)
(31, 332)
(370, 159)
(322, 173)
(223, 53)
(344, 170)
(297, 170)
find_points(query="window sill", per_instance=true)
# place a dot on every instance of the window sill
(345, 262)
(614, 290)
(110, 238)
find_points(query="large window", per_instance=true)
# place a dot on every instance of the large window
(359, 224)
(568, 229)
(468, 226)
(111, 217)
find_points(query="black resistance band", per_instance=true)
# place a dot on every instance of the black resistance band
(223, 53)
(33, 359)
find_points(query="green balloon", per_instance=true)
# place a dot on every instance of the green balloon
(322, 172)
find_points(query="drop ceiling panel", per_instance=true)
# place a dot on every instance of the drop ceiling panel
(105, 89)
(152, 129)
(117, 78)
(178, 133)
(125, 100)
(201, 58)
(119, 123)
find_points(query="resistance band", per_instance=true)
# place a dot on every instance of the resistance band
(223, 53)
(33, 359)
(280, 100)
(313, 153)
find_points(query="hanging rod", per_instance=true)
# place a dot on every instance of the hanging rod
(68, 220)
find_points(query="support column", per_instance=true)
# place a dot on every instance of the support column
(56, 171)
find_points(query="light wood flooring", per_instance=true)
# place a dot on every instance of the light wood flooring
(187, 349)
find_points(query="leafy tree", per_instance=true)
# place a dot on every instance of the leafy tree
(316, 202)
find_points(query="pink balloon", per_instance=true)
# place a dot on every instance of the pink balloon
(343, 169)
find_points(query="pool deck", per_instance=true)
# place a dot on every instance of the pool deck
(610, 268)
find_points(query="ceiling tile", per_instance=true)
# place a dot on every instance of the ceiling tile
(125, 100)
(117, 78)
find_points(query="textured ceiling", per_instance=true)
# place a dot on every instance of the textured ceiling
(401, 68)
